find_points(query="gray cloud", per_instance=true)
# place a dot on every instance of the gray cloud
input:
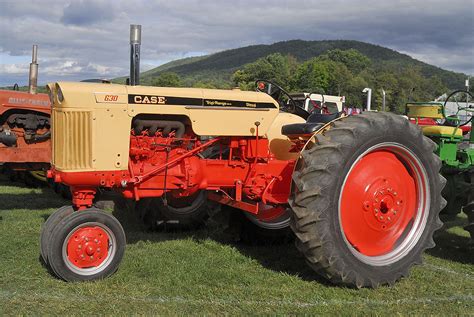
(89, 38)
(87, 12)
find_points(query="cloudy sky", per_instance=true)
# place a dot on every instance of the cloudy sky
(89, 38)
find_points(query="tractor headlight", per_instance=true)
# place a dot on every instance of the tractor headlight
(59, 94)
(50, 94)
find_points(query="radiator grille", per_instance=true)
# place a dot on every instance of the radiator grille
(72, 144)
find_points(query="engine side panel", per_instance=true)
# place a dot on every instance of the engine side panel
(94, 129)
(212, 112)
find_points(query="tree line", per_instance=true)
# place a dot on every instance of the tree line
(336, 72)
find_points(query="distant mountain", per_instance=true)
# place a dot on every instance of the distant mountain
(220, 66)
(172, 64)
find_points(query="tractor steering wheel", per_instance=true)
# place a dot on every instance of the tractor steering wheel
(287, 104)
(458, 108)
(323, 109)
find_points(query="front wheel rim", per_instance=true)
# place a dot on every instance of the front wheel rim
(89, 248)
(384, 204)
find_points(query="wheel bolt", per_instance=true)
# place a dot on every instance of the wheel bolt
(83, 256)
(92, 258)
(96, 241)
(381, 217)
(376, 210)
(394, 193)
(86, 239)
(80, 246)
(366, 205)
(388, 218)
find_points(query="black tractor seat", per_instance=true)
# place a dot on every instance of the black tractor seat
(314, 122)
(300, 128)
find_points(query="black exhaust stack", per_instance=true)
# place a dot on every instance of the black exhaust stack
(33, 76)
(135, 42)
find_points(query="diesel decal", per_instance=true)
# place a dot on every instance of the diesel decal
(220, 103)
(236, 104)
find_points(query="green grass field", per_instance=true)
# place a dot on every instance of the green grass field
(185, 273)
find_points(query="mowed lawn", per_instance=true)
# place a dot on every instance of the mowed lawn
(189, 273)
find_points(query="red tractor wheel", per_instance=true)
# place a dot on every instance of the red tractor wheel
(86, 245)
(189, 211)
(270, 226)
(366, 199)
(270, 217)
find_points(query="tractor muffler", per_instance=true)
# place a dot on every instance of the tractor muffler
(33, 76)
(135, 42)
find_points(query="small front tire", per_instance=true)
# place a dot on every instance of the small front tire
(48, 227)
(86, 245)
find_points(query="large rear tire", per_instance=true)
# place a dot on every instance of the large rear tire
(366, 198)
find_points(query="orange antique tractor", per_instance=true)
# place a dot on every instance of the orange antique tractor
(25, 126)
(361, 193)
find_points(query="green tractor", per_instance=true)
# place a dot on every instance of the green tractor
(449, 125)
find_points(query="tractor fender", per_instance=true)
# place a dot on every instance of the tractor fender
(280, 144)
(324, 128)
(311, 140)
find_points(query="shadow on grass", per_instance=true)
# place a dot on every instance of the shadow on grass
(135, 230)
(453, 247)
(279, 257)
(19, 184)
(282, 258)
(22, 196)
(31, 201)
